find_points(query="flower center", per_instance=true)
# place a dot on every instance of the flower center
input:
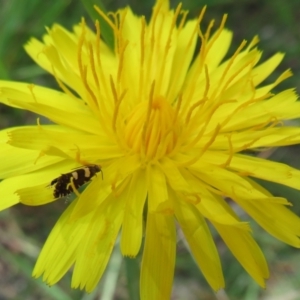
(152, 129)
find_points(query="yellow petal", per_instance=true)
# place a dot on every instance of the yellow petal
(275, 219)
(226, 181)
(132, 228)
(93, 196)
(246, 251)
(35, 49)
(60, 250)
(282, 106)
(51, 104)
(269, 137)
(8, 192)
(173, 175)
(217, 49)
(201, 242)
(70, 143)
(183, 55)
(257, 167)
(157, 188)
(262, 71)
(266, 89)
(158, 258)
(95, 249)
(210, 205)
(133, 60)
(19, 161)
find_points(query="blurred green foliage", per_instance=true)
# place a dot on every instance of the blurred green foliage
(24, 229)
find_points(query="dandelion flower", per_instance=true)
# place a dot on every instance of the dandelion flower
(168, 124)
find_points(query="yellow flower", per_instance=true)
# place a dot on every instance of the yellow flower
(168, 126)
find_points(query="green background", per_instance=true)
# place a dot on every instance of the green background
(23, 229)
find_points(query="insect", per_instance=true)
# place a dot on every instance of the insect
(64, 184)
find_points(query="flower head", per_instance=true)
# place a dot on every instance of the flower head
(167, 123)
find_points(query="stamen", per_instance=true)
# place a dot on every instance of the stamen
(117, 103)
(150, 102)
(200, 18)
(121, 60)
(208, 30)
(156, 9)
(94, 104)
(231, 152)
(197, 26)
(179, 69)
(153, 23)
(80, 46)
(119, 189)
(286, 74)
(105, 17)
(253, 42)
(168, 46)
(38, 123)
(202, 12)
(211, 140)
(184, 14)
(113, 89)
(198, 63)
(207, 186)
(180, 137)
(98, 39)
(119, 18)
(248, 145)
(95, 76)
(207, 81)
(102, 107)
(78, 155)
(229, 65)
(207, 116)
(83, 70)
(241, 106)
(178, 106)
(193, 107)
(242, 68)
(201, 102)
(116, 110)
(203, 149)
(113, 26)
(142, 61)
(31, 87)
(164, 147)
(122, 17)
(244, 173)
(191, 198)
(270, 123)
(117, 33)
(115, 15)
(41, 154)
(217, 34)
(64, 88)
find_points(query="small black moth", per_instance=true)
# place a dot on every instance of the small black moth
(80, 176)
